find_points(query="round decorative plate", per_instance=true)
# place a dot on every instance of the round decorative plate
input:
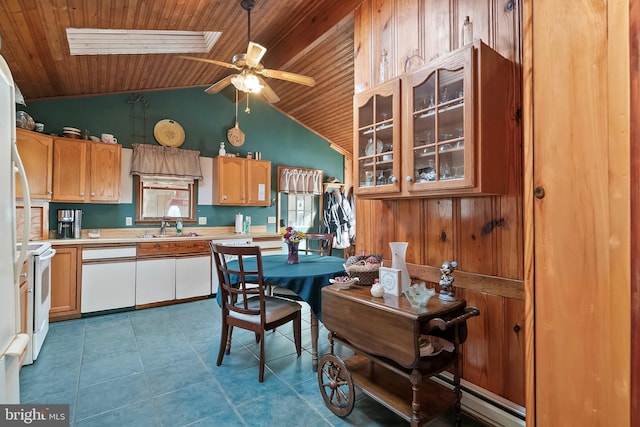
(168, 133)
(370, 150)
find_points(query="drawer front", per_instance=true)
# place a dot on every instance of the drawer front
(156, 249)
(109, 253)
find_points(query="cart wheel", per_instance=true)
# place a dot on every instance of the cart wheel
(336, 385)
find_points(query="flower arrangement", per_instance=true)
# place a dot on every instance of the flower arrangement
(292, 236)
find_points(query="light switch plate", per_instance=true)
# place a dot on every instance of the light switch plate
(128, 220)
(271, 220)
(202, 220)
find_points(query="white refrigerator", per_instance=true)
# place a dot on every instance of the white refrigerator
(12, 342)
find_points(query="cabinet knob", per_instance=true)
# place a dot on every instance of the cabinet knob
(82, 194)
(408, 179)
(50, 193)
(393, 179)
(224, 197)
(93, 194)
(23, 275)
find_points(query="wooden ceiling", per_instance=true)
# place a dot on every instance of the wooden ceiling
(313, 38)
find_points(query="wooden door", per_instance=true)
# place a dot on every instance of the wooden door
(259, 182)
(69, 170)
(36, 152)
(65, 295)
(577, 215)
(229, 176)
(104, 172)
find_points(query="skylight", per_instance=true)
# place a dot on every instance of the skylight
(94, 41)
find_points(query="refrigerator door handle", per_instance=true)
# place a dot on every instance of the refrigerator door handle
(26, 225)
(17, 346)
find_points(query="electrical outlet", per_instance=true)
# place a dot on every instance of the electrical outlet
(128, 221)
(271, 220)
(202, 220)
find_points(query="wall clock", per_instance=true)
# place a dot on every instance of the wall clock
(390, 280)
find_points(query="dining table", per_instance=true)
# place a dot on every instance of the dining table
(306, 279)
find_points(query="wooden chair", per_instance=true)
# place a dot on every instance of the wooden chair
(319, 243)
(244, 303)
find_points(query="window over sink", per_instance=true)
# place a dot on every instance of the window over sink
(161, 197)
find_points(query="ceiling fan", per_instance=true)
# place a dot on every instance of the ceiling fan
(250, 79)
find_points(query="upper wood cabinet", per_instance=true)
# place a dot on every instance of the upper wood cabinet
(455, 129)
(241, 182)
(36, 152)
(377, 139)
(105, 163)
(86, 171)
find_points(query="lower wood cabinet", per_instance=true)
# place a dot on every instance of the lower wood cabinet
(65, 294)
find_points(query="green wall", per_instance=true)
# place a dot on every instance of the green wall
(205, 119)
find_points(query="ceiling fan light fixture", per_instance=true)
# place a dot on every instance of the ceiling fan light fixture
(247, 82)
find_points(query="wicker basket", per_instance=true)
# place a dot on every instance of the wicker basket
(366, 273)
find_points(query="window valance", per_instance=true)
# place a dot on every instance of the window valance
(155, 160)
(300, 181)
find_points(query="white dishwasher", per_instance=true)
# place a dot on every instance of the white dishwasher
(108, 278)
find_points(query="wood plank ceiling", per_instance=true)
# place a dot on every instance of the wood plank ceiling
(313, 38)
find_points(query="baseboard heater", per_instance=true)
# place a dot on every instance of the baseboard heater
(485, 406)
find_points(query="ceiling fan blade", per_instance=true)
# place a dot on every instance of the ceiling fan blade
(210, 61)
(267, 92)
(255, 52)
(219, 85)
(291, 77)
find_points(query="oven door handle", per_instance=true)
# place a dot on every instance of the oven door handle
(47, 255)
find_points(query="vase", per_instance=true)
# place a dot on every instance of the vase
(398, 253)
(293, 253)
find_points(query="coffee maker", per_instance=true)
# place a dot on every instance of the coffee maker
(69, 223)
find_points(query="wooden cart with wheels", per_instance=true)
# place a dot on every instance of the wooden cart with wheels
(398, 349)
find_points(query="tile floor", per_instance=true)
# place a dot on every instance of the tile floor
(156, 367)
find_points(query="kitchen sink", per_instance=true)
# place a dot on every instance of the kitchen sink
(166, 236)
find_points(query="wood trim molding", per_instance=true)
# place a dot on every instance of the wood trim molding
(634, 68)
(508, 288)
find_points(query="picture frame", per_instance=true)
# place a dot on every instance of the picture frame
(391, 281)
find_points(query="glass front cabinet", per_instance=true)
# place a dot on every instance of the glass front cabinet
(377, 140)
(457, 126)
(439, 125)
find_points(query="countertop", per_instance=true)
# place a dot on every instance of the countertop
(134, 235)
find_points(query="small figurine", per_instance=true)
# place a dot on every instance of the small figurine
(446, 281)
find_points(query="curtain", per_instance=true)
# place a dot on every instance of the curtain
(155, 160)
(300, 181)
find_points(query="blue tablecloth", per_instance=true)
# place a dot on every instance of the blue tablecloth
(305, 279)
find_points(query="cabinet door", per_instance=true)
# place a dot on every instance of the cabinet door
(438, 142)
(36, 152)
(377, 140)
(229, 180)
(258, 182)
(104, 172)
(155, 280)
(108, 285)
(69, 170)
(65, 298)
(193, 277)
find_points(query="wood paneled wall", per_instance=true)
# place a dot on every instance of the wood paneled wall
(483, 234)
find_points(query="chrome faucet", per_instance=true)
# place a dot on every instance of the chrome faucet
(163, 225)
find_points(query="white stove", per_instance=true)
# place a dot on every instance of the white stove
(40, 303)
